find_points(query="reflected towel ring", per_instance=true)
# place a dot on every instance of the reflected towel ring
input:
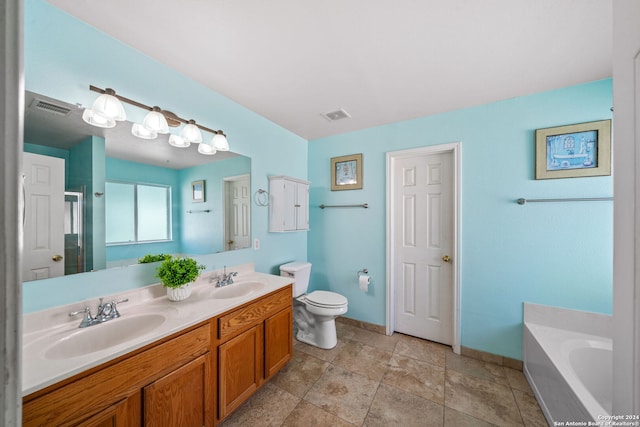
(261, 197)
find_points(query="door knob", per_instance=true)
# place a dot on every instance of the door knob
(57, 258)
(446, 258)
(230, 242)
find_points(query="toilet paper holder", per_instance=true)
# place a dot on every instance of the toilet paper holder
(361, 272)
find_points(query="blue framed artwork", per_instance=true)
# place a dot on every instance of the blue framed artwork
(571, 151)
(346, 172)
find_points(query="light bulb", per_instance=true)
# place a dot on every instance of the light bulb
(156, 121)
(192, 133)
(178, 141)
(142, 132)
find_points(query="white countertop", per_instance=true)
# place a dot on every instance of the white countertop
(44, 329)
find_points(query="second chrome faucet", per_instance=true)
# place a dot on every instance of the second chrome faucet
(105, 313)
(224, 279)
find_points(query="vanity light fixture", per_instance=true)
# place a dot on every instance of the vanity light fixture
(191, 133)
(105, 111)
(206, 148)
(157, 121)
(219, 141)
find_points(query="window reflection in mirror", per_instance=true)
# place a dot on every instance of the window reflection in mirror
(126, 197)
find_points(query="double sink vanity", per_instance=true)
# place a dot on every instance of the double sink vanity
(160, 363)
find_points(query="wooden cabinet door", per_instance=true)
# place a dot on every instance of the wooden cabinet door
(278, 341)
(180, 398)
(239, 369)
(125, 413)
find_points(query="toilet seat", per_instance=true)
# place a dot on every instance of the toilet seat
(326, 299)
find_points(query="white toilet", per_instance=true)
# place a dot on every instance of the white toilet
(314, 314)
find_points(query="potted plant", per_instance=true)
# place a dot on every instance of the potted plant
(177, 274)
(153, 258)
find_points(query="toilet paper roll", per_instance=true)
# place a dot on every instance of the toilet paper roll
(363, 281)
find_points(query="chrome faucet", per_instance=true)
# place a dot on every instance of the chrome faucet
(225, 279)
(105, 313)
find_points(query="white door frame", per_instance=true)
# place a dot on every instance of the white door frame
(455, 148)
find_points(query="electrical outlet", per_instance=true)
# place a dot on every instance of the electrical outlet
(256, 244)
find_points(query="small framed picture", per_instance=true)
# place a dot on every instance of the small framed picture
(570, 151)
(346, 172)
(197, 191)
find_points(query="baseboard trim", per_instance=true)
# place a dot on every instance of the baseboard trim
(507, 362)
(364, 325)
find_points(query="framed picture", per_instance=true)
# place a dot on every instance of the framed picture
(197, 191)
(346, 172)
(570, 151)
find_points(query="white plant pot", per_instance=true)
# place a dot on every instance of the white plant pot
(179, 294)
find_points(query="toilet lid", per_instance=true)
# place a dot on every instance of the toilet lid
(326, 299)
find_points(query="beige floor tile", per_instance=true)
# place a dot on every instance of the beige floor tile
(393, 407)
(308, 415)
(482, 399)
(476, 368)
(374, 339)
(302, 371)
(416, 377)
(363, 359)
(529, 409)
(453, 418)
(320, 353)
(270, 406)
(345, 331)
(518, 381)
(423, 350)
(343, 393)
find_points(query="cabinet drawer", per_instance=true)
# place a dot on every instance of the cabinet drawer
(242, 319)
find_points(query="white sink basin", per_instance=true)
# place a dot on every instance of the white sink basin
(236, 290)
(108, 334)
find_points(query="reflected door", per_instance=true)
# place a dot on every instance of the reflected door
(238, 229)
(43, 217)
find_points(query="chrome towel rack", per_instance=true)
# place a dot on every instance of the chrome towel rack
(363, 205)
(200, 211)
(523, 201)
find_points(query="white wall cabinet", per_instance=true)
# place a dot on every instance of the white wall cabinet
(288, 204)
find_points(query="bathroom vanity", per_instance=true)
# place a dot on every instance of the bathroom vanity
(209, 355)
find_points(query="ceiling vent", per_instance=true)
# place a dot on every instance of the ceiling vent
(38, 104)
(340, 114)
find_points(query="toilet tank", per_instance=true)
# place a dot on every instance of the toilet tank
(300, 272)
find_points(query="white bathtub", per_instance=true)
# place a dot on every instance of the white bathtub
(568, 362)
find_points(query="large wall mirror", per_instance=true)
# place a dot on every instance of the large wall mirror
(102, 198)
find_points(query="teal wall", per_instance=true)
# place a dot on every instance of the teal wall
(549, 253)
(557, 254)
(204, 232)
(63, 56)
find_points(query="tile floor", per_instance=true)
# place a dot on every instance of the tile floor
(371, 379)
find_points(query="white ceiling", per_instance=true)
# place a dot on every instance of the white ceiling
(382, 61)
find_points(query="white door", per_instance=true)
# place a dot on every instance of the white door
(43, 217)
(422, 239)
(238, 212)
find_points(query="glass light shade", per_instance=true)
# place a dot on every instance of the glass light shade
(206, 149)
(96, 119)
(219, 142)
(109, 106)
(156, 121)
(178, 141)
(142, 132)
(191, 133)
